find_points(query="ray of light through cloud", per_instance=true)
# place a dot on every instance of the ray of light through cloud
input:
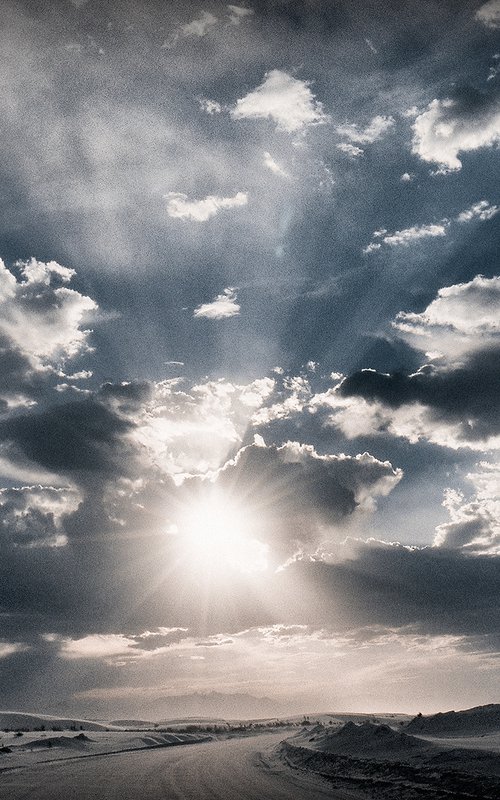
(249, 358)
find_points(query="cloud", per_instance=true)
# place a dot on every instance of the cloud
(489, 14)
(79, 438)
(295, 497)
(407, 177)
(453, 402)
(222, 307)
(452, 126)
(462, 318)
(406, 236)
(494, 70)
(32, 516)
(238, 13)
(288, 101)
(271, 164)
(179, 207)
(199, 26)
(481, 210)
(374, 131)
(474, 525)
(350, 149)
(192, 429)
(452, 407)
(210, 106)
(97, 646)
(41, 328)
(426, 590)
(40, 315)
(291, 400)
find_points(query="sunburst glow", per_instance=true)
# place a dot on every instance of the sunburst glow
(217, 535)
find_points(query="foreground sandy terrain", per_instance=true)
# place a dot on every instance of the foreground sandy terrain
(341, 761)
(383, 762)
(235, 769)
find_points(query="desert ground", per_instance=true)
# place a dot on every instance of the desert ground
(340, 756)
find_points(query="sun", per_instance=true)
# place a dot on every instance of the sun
(216, 534)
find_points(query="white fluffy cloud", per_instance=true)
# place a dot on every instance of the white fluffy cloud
(489, 14)
(210, 106)
(192, 429)
(462, 318)
(443, 131)
(288, 101)
(375, 130)
(351, 149)
(482, 210)
(406, 236)
(180, 207)
(452, 402)
(41, 317)
(474, 524)
(222, 307)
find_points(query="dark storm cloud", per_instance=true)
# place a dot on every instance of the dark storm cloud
(298, 481)
(31, 516)
(467, 396)
(75, 438)
(293, 492)
(126, 398)
(437, 591)
(17, 375)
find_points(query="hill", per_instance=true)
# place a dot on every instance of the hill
(19, 720)
(364, 741)
(471, 722)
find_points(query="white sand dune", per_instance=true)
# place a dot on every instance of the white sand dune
(364, 741)
(19, 720)
(471, 722)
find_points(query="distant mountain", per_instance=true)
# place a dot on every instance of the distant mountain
(218, 705)
(471, 722)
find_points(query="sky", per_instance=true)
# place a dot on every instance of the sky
(250, 354)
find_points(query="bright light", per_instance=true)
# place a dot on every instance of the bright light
(217, 536)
